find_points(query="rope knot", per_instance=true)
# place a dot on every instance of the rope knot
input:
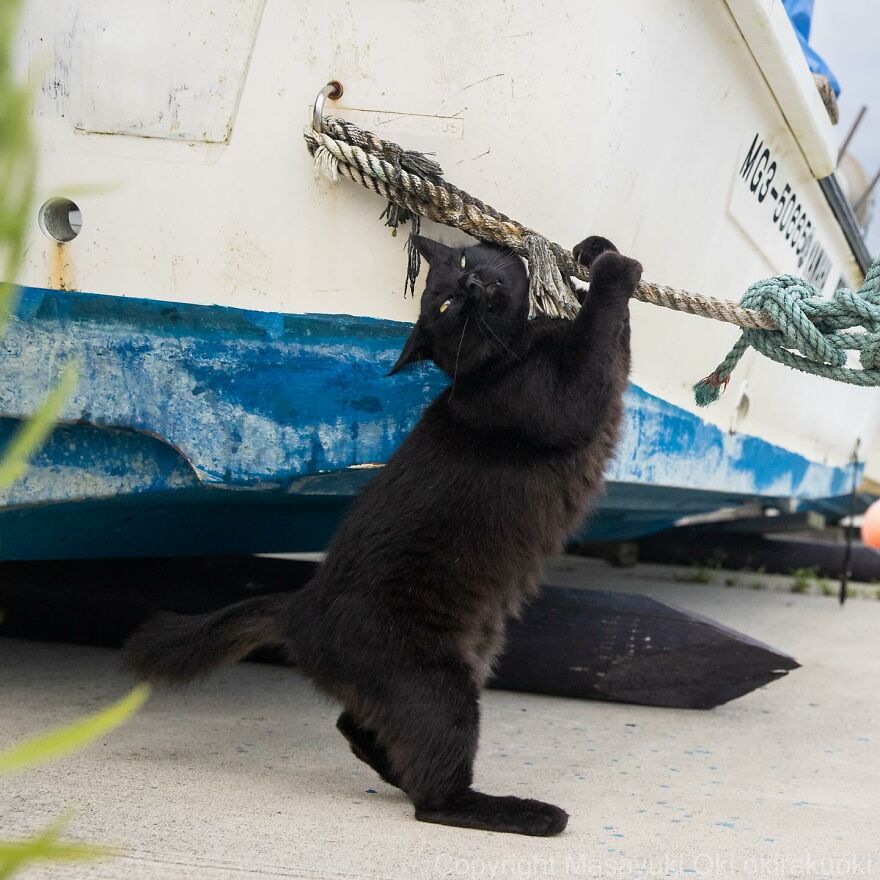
(791, 302)
(815, 333)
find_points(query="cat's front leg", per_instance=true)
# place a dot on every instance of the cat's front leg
(595, 346)
(597, 342)
(613, 280)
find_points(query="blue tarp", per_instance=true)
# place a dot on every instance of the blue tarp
(801, 14)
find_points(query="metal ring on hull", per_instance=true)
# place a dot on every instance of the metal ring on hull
(332, 90)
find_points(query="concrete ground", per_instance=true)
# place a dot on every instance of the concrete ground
(243, 776)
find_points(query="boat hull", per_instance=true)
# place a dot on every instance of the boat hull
(233, 316)
(197, 428)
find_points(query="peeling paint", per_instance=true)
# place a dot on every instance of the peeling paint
(85, 461)
(247, 397)
(668, 446)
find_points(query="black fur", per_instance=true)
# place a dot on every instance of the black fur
(177, 648)
(405, 617)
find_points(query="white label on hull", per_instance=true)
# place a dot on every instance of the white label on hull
(766, 203)
(162, 69)
(388, 124)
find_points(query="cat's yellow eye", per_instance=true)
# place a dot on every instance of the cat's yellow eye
(445, 304)
(462, 262)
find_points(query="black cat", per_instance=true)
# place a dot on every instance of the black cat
(402, 621)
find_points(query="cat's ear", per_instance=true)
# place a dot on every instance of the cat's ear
(431, 250)
(414, 349)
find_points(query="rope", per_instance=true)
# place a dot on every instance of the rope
(818, 328)
(777, 315)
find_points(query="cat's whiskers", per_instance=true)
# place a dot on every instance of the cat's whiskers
(457, 355)
(502, 261)
(492, 344)
(507, 348)
(484, 336)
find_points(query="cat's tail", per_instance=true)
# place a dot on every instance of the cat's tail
(175, 648)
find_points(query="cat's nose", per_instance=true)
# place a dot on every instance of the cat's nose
(472, 284)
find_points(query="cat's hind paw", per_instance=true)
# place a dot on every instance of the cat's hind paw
(486, 812)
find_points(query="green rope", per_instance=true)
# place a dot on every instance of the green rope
(814, 332)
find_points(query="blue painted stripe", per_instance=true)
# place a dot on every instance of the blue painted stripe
(666, 445)
(221, 396)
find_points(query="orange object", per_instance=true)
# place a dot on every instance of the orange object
(871, 526)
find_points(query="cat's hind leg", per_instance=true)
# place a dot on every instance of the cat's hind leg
(366, 747)
(431, 746)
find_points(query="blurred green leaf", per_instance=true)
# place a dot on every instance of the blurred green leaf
(18, 161)
(71, 737)
(31, 435)
(47, 847)
(18, 166)
(18, 171)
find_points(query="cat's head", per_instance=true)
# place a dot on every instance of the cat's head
(475, 303)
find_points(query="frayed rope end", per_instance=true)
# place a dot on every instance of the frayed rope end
(549, 294)
(708, 390)
(413, 259)
(326, 165)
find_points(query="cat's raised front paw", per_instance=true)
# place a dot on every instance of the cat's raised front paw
(586, 251)
(613, 271)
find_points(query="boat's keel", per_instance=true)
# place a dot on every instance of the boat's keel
(571, 642)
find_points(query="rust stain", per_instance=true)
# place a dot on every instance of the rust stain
(60, 267)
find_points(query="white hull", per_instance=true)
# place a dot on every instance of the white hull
(630, 120)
